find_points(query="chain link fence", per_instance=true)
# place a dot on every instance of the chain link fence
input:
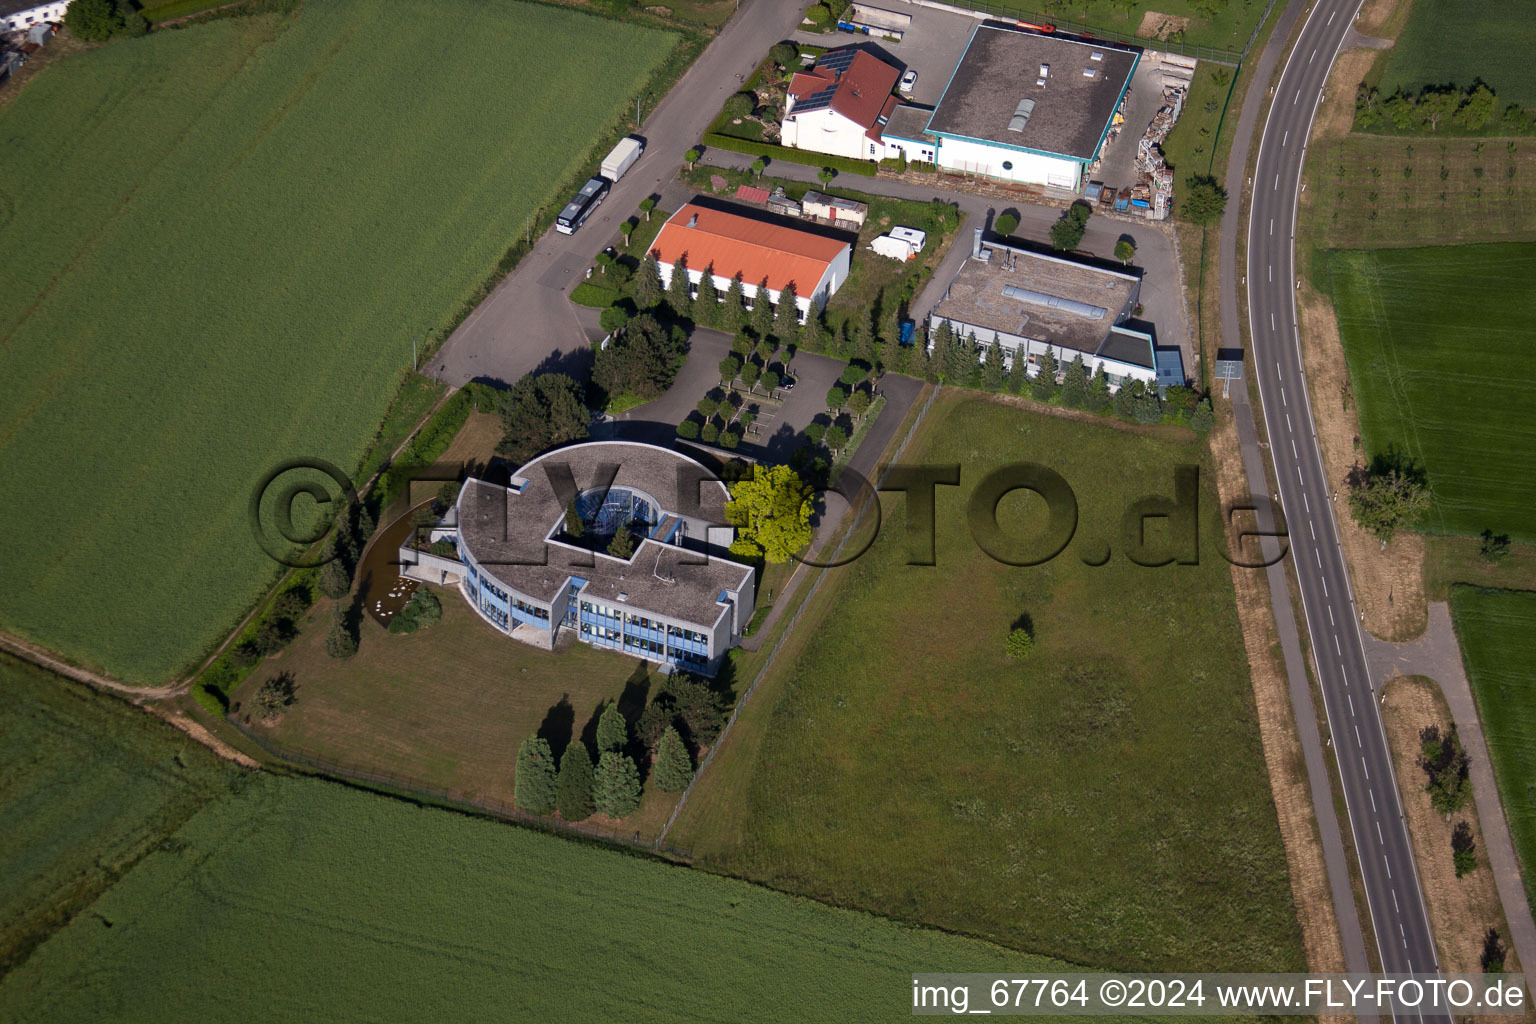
(396, 785)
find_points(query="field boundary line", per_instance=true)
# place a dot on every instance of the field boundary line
(401, 787)
(794, 619)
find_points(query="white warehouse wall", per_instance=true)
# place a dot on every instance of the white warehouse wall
(1029, 168)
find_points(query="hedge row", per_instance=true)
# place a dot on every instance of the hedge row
(792, 156)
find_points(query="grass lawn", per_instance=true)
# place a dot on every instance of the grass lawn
(219, 244)
(90, 787)
(1457, 41)
(445, 707)
(1103, 801)
(305, 900)
(1370, 191)
(1497, 631)
(1229, 29)
(1440, 360)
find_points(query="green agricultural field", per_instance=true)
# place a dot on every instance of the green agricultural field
(306, 900)
(219, 243)
(1372, 191)
(1224, 23)
(1440, 361)
(89, 787)
(1103, 800)
(1497, 631)
(1457, 41)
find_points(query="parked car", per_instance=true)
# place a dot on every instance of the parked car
(908, 80)
(787, 384)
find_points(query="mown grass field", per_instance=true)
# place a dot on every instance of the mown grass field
(446, 708)
(89, 787)
(1228, 29)
(1103, 800)
(305, 900)
(1497, 632)
(1370, 191)
(1454, 41)
(219, 243)
(1440, 360)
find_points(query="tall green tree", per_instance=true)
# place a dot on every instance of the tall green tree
(786, 318)
(1384, 500)
(623, 543)
(539, 412)
(93, 20)
(674, 768)
(574, 527)
(642, 361)
(813, 336)
(1074, 384)
(762, 310)
(616, 786)
(647, 289)
(864, 336)
(994, 374)
(534, 788)
(1125, 398)
(1098, 398)
(341, 641)
(335, 580)
(1043, 385)
(706, 308)
(771, 511)
(733, 313)
(1204, 199)
(573, 787)
(612, 729)
(680, 288)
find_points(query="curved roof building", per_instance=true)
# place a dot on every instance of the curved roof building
(531, 573)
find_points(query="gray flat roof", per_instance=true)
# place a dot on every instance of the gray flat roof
(986, 293)
(910, 122)
(1001, 67)
(505, 528)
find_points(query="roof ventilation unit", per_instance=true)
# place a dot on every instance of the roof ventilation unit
(1096, 56)
(1045, 70)
(1021, 114)
(693, 221)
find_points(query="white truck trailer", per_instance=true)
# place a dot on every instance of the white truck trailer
(622, 158)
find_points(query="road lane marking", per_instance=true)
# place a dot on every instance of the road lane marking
(1372, 793)
(1288, 134)
(1308, 502)
(1325, 588)
(1337, 649)
(1379, 837)
(1330, 17)
(1388, 866)
(1394, 901)
(1282, 395)
(1309, 61)
(1288, 427)
(1330, 611)
(1367, 775)
(1271, 271)
(1316, 553)
(1297, 99)
(1271, 321)
(1296, 455)
(1272, 231)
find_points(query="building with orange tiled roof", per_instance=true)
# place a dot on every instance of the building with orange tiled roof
(757, 247)
(840, 105)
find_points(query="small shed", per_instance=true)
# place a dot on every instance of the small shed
(752, 194)
(843, 212)
(40, 33)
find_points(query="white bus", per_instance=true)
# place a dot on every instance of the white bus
(579, 209)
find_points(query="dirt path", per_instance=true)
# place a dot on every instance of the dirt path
(1437, 655)
(44, 658)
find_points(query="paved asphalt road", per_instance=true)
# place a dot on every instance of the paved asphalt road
(528, 321)
(1390, 876)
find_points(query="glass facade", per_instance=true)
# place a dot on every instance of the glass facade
(604, 513)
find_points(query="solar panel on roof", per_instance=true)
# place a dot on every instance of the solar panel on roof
(837, 60)
(816, 101)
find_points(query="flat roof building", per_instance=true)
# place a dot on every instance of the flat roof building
(758, 247)
(1031, 303)
(677, 600)
(1030, 108)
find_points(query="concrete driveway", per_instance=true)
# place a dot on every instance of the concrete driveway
(527, 322)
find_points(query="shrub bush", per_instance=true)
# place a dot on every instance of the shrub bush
(819, 14)
(688, 430)
(1020, 643)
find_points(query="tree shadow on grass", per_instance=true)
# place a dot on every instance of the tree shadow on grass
(556, 727)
